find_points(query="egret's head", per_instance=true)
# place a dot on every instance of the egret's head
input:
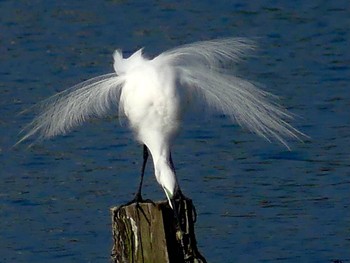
(166, 178)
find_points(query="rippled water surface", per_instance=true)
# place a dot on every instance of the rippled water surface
(256, 202)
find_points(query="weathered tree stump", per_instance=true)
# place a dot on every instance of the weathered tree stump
(149, 232)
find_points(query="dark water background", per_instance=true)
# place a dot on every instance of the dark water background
(256, 202)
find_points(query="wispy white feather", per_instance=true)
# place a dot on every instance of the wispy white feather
(214, 54)
(202, 69)
(67, 109)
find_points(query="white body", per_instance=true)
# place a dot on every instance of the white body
(151, 102)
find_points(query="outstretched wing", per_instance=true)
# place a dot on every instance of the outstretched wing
(67, 109)
(202, 68)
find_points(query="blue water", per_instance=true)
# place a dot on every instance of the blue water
(256, 202)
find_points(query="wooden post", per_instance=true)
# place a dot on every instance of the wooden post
(148, 233)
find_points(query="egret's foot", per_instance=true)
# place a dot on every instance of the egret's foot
(138, 199)
(146, 201)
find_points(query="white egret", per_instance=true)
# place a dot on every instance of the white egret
(153, 94)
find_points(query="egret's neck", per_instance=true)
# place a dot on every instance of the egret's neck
(164, 171)
(165, 175)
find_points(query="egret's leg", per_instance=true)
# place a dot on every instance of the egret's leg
(138, 196)
(178, 194)
(172, 163)
(178, 197)
(172, 166)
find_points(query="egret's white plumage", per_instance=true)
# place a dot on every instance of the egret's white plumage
(152, 94)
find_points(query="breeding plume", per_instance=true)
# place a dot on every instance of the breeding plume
(153, 94)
